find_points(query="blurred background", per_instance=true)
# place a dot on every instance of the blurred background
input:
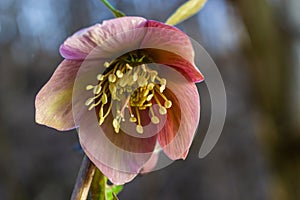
(256, 46)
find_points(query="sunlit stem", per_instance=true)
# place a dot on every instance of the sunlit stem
(84, 180)
(117, 13)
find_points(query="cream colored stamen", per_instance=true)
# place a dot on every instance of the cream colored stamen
(154, 119)
(97, 89)
(128, 84)
(89, 87)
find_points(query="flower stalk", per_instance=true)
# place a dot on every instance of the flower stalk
(116, 12)
(84, 180)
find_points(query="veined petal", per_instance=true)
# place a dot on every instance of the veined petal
(54, 101)
(118, 151)
(182, 118)
(150, 164)
(106, 39)
(169, 38)
(171, 47)
(115, 176)
(188, 69)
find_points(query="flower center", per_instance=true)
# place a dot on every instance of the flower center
(129, 83)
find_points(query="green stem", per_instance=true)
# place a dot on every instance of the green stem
(98, 188)
(117, 13)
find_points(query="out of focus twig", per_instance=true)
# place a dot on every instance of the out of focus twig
(84, 180)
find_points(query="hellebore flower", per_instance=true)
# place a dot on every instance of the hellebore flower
(128, 85)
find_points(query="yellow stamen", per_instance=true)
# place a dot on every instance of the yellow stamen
(132, 119)
(101, 120)
(100, 77)
(119, 74)
(150, 86)
(97, 89)
(128, 66)
(162, 110)
(106, 64)
(149, 97)
(129, 76)
(139, 129)
(116, 125)
(162, 88)
(154, 119)
(104, 98)
(94, 105)
(89, 101)
(106, 114)
(112, 78)
(168, 104)
(89, 87)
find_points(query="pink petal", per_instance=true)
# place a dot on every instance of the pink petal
(109, 38)
(150, 164)
(118, 151)
(115, 176)
(173, 47)
(182, 118)
(189, 70)
(54, 101)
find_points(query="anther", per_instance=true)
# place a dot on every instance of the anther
(119, 74)
(168, 104)
(162, 110)
(139, 129)
(89, 87)
(149, 97)
(89, 101)
(163, 81)
(100, 77)
(132, 119)
(145, 92)
(153, 75)
(162, 88)
(150, 86)
(104, 98)
(106, 64)
(144, 67)
(116, 125)
(155, 120)
(128, 66)
(97, 89)
(112, 78)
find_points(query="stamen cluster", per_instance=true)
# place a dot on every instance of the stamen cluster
(129, 83)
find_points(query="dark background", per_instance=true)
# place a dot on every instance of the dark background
(256, 46)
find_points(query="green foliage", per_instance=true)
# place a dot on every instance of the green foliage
(100, 190)
(112, 191)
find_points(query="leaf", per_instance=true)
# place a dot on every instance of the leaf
(116, 188)
(98, 187)
(112, 191)
(115, 196)
(185, 11)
